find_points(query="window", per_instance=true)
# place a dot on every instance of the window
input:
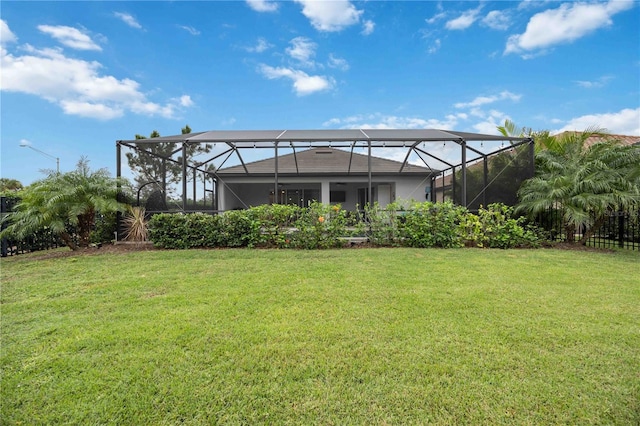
(337, 196)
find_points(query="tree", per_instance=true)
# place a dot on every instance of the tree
(582, 182)
(542, 138)
(506, 171)
(10, 185)
(155, 162)
(65, 203)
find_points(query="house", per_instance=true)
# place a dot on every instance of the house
(327, 175)
(622, 139)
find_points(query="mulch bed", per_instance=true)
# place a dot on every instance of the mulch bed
(579, 247)
(89, 251)
(131, 247)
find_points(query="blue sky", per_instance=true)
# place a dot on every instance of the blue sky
(77, 76)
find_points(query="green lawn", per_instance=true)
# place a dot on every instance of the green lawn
(363, 336)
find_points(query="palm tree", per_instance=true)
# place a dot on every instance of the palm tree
(542, 138)
(9, 185)
(65, 203)
(583, 182)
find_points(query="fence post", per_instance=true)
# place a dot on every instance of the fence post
(621, 229)
(4, 209)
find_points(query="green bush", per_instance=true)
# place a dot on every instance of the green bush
(204, 229)
(169, 230)
(276, 222)
(195, 230)
(383, 225)
(430, 224)
(105, 228)
(238, 229)
(320, 226)
(495, 227)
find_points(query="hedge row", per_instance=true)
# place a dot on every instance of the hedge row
(446, 225)
(325, 226)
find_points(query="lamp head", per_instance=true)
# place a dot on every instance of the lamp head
(24, 143)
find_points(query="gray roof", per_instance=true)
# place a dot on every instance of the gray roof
(390, 137)
(324, 161)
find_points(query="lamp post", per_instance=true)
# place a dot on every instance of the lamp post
(26, 144)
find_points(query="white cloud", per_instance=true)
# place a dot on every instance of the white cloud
(302, 50)
(477, 112)
(449, 152)
(128, 19)
(261, 45)
(70, 37)
(303, 84)
(229, 121)
(483, 100)
(381, 121)
(488, 123)
(151, 108)
(435, 18)
(464, 21)
(90, 110)
(330, 16)
(565, 24)
(475, 119)
(338, 63)
(601, 82)
(263, 5)
(497, 20)
(6, 36)
(189, 29)
(185, 101)
(530, 4)
(435, 46)
(77, 86)
(623, 122)
(368, 27)
(492, 120)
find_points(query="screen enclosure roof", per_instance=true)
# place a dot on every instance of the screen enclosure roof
(377, 137)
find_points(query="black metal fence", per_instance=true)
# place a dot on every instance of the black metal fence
(43, 239)
(617, 229)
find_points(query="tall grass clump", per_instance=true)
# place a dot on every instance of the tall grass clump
(135, 223)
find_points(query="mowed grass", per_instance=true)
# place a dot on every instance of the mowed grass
(365, 336)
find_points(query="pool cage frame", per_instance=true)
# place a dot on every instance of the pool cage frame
(413, 140)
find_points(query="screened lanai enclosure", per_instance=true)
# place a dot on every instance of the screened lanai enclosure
(216, 171)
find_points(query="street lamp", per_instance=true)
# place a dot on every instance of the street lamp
(27, 144)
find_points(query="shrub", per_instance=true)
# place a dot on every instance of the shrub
(205, 230)
(135, 223)
(106, 225)
(320, 226)
(495, 227)
(238, 229)
(275, 221)
(168, 230)
(383, 224)
(430, 224)
(181, 231)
